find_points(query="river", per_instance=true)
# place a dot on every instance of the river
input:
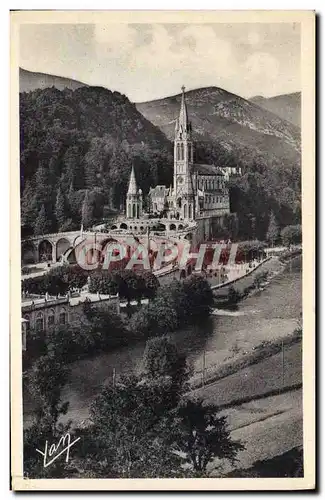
(268, 314)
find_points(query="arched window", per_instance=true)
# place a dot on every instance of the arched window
(63, 316)
(178, 156)
(39, 324)
(129, 210)
(51, 318)
(189, 152)
(134, 211)
(182, 151)
(26, 317)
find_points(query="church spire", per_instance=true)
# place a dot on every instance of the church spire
(183, 126)
(183, 119)
(133, 183)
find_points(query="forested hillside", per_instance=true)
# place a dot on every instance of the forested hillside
(84, 139)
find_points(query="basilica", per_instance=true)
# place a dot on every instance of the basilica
(199, 191)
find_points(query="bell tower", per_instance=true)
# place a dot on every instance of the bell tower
(184, 188)
(133, 199)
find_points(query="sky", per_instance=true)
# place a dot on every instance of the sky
(150, 61)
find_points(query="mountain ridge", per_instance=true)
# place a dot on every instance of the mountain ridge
(32, 80)
(286, 106)
(221, 110)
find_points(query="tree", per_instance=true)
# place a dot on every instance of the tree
(202, 436)
(150, 284)
(199, 296)
(45, 380)
(161, 358)
(131, 425)
(87, 212)
(60, 209)
(44, 186)
(291, 235)
(42, 223)
(29, 205)
(273, 230)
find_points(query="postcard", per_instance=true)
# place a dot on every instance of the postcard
(162, 250)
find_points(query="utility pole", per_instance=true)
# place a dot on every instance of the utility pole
(282, 364)
(203, 367)
(114, 377)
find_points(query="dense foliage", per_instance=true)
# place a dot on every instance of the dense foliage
(291, 235)
(175, 304)
(86, 139)
(128, 284)
(140, 426)
(161, 358)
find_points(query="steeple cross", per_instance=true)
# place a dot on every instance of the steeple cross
(183, 89)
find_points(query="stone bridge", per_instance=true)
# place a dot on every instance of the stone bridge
(54, 247)
(49, 247)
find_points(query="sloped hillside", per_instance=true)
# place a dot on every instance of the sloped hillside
(286, 106)
(86, 138)
(229, 120)
(30, 80)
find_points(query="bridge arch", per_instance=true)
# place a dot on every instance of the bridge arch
(62, 245)
(29, 253)
(45, 251)
(172, 227)
(77, 240)
(123, 226)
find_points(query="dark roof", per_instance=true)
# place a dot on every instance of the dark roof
(159, 190)
(204, 169)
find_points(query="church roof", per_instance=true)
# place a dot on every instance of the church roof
(183, 118)
(205, 169)
(133, 183)
(182, 125)
(159, 191)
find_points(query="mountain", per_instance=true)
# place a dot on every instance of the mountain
(30, 80)
(286, 106)
(227, 119)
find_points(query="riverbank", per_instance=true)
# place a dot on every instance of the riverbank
(267, 316)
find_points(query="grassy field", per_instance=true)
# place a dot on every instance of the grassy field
(257, 379)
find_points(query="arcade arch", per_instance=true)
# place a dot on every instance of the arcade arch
(45, 251)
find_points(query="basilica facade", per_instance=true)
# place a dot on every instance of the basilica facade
(198, 191)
